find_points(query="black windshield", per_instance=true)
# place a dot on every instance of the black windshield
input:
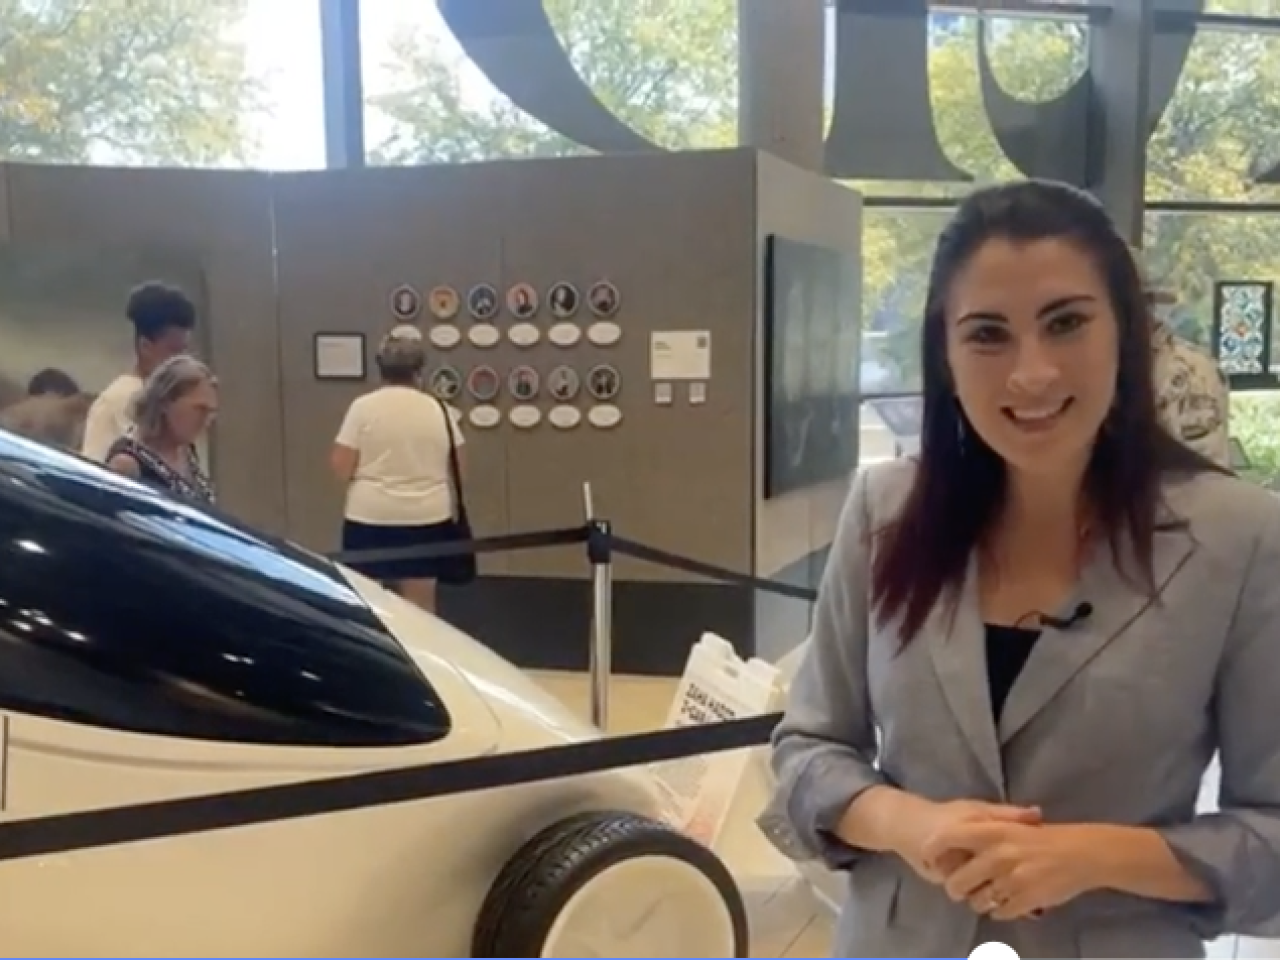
(123, 607)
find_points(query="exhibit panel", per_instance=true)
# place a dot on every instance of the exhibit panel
(210, 224)
(353, 251)
(819, 221)
(592, 321)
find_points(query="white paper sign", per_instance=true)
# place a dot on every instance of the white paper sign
(340, 356)
(680, 355)
(700, 792)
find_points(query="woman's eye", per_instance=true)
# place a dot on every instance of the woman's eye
(988, 335)
(1066, 323)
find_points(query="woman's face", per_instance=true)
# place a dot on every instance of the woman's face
(190, 415)
(1033, 346)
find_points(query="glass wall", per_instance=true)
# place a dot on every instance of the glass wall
(667, 68)
(163, 83)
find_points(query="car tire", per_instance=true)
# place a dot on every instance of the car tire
(571, 890)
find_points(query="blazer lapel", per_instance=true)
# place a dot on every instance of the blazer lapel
(958, 650)
(1116, 604)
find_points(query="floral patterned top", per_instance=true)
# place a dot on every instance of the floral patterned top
(1192, 397)
(193, 485)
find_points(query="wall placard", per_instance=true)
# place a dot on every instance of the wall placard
(339, 356)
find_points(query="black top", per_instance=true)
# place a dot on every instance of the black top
(1008, 649)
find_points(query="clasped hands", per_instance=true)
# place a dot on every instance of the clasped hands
(1005, 862)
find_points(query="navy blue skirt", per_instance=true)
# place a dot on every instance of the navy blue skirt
(371, 536)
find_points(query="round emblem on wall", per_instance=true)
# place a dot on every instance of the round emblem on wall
(565, 334)
(446, 383)
(446, 336)
(604, 382)
(444, 303)
(604, 299)
(565, 417)
(605, 333)
(485, 416)
(522, 301)
(406, 303)
(565, 300)
(604, 417)
(484, 335)
(525, 416)
(524, 334)
(563, 383)
(523, 383)
(483, 383)
(482, 301)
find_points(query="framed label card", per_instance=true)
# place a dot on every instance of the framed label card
(340, 356)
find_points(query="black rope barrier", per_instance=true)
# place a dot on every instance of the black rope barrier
(601, 543)
(92, 829)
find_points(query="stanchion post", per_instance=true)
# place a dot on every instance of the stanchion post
(600, 554)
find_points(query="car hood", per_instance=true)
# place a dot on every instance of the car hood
(526, 713)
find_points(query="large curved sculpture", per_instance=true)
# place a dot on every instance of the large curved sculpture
(515, 45)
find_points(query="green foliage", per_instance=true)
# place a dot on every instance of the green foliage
(668, 68)
(1255, 422)
(159, 82)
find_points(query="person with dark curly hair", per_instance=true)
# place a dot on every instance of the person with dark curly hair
(163, 319)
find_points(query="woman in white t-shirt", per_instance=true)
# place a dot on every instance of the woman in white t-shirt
(392, 454)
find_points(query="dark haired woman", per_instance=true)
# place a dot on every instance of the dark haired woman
(1033, 637)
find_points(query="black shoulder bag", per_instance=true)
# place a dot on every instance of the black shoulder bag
(460, 569)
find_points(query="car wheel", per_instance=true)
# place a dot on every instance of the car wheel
(612, 885)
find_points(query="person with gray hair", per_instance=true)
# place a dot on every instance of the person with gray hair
(175, 407)
(398, 457)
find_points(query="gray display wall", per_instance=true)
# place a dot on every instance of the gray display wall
(284, 259)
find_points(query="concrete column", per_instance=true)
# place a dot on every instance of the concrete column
(782, 74)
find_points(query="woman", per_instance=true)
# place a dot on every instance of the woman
(178, 402)
(1032, 638)
(393, 455)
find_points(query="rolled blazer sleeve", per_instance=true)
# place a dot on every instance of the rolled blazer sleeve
(825, 747)
(1236, 851)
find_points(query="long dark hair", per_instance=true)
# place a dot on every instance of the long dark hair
(959, 486)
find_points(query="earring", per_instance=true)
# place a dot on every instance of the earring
(961, 430)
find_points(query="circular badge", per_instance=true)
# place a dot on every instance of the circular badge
(484, 335)
(446, 336)
(604, 417)
(604, 299)
(563, 383)
(406, 303)
(444, 303)
(565, 334)
(482, 301)
(524, 334)
(525, 416)
(524, 383)
(565, 417)
(483, 383)
(445, 383)
(522, 301)
(565, 300)
(605, 333)
(485, 416)
(604, 382)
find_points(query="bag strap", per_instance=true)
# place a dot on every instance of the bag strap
(455, 471)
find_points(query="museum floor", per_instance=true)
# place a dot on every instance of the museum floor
(786, 920)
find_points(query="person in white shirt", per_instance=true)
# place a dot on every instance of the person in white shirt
(393, 456)
(163, 319)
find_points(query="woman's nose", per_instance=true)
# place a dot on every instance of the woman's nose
(1035, 370)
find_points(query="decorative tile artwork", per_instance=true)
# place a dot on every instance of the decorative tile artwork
(1243, 327)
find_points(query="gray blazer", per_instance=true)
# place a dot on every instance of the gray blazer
(1113, 720)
